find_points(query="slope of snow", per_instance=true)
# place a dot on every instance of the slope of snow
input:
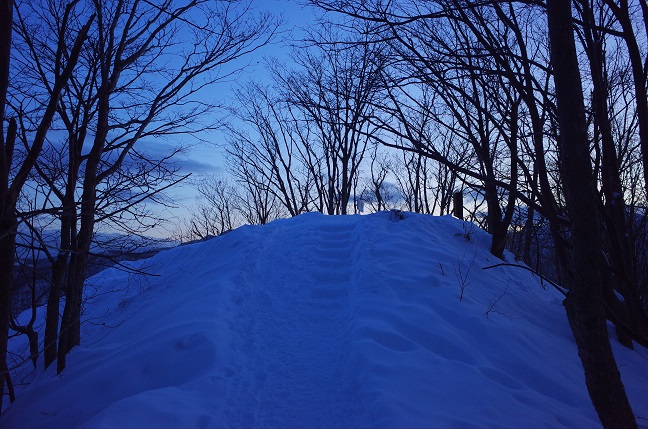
(322, 321)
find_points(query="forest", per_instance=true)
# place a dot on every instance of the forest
(531, 115)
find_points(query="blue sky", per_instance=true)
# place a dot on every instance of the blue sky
(202, 158)
(207, 158)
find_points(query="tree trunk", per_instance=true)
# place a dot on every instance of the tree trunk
(7, 203)
(622, 278)
(70, 332)
(60, 266)
(457, 205)
(494, 219)
(584, 302)
(8, 226)
(53, 301)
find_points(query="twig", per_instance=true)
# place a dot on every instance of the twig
(10, 386)
(555, 285)
(494, 300)
(610, 314)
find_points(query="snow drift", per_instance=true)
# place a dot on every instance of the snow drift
(324, 321)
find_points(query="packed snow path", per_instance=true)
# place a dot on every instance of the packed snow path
(323, 321)
(293, 343)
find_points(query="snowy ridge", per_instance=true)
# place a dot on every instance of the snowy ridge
(325, 321)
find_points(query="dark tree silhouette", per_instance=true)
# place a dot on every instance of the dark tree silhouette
(584, 302)
(11, 184)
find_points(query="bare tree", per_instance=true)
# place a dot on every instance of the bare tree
(378, 192)
(132, 46)
(216, 212)
(15, 169)
(584, 302)
(257, 204)
(335, 92)
(143, 75)
(618, 241)
(623, 12)
(471, 100)
(272, 147)
(488, 62)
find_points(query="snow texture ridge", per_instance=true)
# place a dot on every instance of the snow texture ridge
(324, 321)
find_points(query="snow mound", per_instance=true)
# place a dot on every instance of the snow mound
(324, 321)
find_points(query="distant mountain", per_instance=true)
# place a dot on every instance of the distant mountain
(108, 249)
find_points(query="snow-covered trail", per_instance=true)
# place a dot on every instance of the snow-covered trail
(293, 349)
(324, 321)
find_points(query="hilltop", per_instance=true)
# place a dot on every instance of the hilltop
(383, 320)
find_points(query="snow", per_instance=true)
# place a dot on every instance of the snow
(324, 321)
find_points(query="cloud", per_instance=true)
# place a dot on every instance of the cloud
(195, 159)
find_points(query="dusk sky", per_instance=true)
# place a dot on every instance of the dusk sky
(204, 159)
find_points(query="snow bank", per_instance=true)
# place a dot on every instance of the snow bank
(322, 321)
